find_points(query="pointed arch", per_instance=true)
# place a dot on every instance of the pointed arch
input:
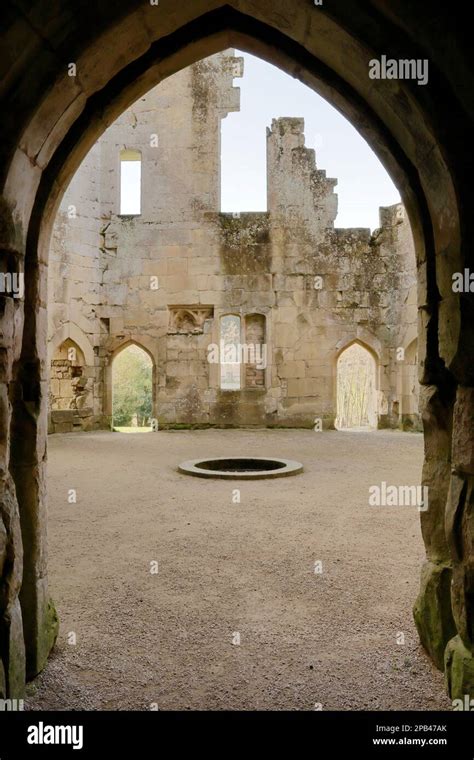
(148, 346)
(73, 332)
(143, 342)
(364, 339)
(56, 120)
(132, 387)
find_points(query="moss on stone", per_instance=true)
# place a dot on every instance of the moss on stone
(47, 636)
(432, 611)
(459, 669)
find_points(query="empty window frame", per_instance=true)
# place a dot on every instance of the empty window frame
(130, 182)
(230, 379)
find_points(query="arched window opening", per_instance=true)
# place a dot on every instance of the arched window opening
(132, 391)
(356, 389)
(256, 351)
(230, 360)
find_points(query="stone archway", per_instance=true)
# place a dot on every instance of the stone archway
(141, 343)
(59, 112)
(356, 388)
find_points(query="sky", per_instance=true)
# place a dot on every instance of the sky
(267, 93)
(130, 187)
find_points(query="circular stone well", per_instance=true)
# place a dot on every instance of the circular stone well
(245, 468)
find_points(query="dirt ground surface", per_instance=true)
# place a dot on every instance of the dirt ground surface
(167, 639)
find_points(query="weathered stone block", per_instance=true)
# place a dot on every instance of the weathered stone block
(432, 611)
(293, 369)
(62, 416)
(459, 669)
(463, 431)
(14, 646)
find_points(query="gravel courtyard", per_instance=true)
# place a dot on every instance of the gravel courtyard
(166, 639)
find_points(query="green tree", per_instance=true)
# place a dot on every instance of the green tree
(132, 388)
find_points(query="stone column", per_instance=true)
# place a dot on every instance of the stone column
(459, 655)
(28, 467)
(432, 612)
(12, 649)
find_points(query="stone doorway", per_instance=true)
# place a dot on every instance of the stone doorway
(356, 389)
(132, 390)
(56, 117)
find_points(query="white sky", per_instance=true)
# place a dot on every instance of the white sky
(267, 93)
(130, 187)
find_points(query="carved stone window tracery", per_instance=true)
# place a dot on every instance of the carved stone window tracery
(189, 320)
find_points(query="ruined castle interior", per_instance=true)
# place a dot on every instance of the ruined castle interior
(275, 333)
(177, 276)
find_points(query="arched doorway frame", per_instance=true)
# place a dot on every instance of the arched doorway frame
(369, 348)
(146, 345)
(395, 118)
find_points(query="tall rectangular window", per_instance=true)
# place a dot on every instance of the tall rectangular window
(230, 352)
(130, 182)
(256, 351)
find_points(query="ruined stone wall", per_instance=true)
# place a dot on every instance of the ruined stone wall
(165, 278)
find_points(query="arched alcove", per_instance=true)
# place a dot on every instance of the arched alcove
(255, 340)
(70, 389)
(67, 380)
